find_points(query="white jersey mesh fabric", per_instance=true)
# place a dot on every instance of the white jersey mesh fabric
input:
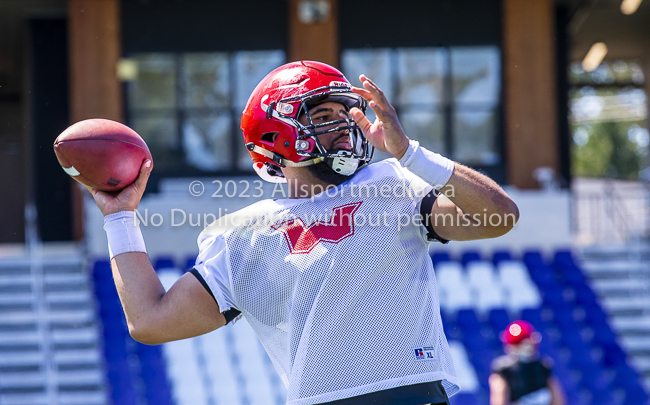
(344, 306)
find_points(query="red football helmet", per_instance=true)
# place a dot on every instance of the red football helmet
(275, 138)
(517, 331)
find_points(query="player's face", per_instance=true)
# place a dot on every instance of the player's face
(326, 112)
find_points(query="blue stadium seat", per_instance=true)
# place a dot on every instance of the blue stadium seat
(464, 398)
(543, 276)
(635, 394)
(102, 270)
(437, 257)
(584, 295)
(554, 297)
(467, 320)
(601, 396)
(533, 257)
(563, 257)
(164, 262)
(124, 395)
(114, 351)
(592, 378)
(572, 275)
(190, 261)
(603, 334)
(613, 355)
(595, 316)
(148, 353)
(499, 256)
(498, 319)
(563, 317)
(625, 375)
(572, 338)
(470, 257)
(534, 317)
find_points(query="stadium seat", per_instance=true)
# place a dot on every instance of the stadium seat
(532, 257)
(563, 257)
(190, 261)
(486, 285)
(102, 270)
(625, 375)
(543, 276)
(464, 398)
(221, 367)
(438, 257)
(554, 298)
(635, 394)
(572, 338)
(453, 287)
(468, 321)
(518, 287)
(470, 257)
(499, 319)
(563, 317)
(601, 396)
(164, 262)
(500, 256)
(584, 295)
(571, 274)
(534, 317)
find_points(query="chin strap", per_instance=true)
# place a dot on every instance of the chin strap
(279, 160)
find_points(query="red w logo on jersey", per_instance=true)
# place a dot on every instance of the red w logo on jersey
(302, 239)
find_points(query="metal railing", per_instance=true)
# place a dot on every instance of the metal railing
(610, 211)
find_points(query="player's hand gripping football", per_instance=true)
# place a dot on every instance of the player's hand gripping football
(386, 133)
(128, 198)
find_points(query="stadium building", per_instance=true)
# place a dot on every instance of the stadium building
(548, 97)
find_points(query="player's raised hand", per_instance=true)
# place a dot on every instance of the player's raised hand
(128, 198)
(386, 133)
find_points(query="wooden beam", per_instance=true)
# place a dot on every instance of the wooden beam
(94, 35)
(529, 89)
(317, 40)
(95, 91)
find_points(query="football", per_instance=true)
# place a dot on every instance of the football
(102, 154)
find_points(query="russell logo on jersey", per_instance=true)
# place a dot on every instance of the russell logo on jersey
(424, 353)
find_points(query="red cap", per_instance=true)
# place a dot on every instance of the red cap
(517, 331)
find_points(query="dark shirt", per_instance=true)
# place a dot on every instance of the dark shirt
(523, 378)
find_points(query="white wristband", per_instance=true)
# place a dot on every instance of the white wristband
(431, 167)
(123, 232)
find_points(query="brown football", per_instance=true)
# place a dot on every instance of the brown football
(102, 154)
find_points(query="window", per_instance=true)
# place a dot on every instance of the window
(447, 98)
(608, 121)
(188, 107)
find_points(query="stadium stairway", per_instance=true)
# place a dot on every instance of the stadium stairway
(621, 277)
(49, 353)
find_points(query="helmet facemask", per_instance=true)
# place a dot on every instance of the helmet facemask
(342, 162)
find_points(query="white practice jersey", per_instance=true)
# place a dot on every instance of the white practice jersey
(339, 288)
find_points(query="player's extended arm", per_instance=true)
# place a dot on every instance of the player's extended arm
(153, 315)
(477, 208)
(473, 197)
(499, 391)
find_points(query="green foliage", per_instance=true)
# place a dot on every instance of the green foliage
(604, 149)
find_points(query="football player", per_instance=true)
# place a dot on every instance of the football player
(522, 376)
(336, 281)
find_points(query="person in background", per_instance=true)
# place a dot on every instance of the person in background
(521, 376)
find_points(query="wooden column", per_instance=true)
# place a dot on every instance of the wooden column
(94, 32)
(529, 89)
(317, 40)
(95, 91)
